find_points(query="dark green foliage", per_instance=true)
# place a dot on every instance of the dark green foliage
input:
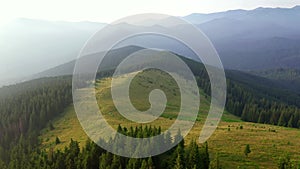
(288, 77)
(253, 98)
(285, 163)
(178, 162)
(50, 126)
(216, 163)
(150, 163)
(57, 141)
(93, 157)
(252, 106)
(25, 109)
(247, 150)
(144, 164)
(180, 157)
(105, 161)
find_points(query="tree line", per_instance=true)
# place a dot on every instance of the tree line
(91, 156)
(253, 101)
(251, 107)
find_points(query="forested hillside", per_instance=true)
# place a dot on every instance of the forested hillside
(288, 77)
(28, 107)
(255, 99)
(25, 109)
(226, 146)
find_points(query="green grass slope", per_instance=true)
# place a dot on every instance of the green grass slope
(268, 143)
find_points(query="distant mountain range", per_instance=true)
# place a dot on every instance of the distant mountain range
(259, 39)
(262, 38)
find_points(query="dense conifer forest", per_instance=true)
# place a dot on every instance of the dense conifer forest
(25, 109)
(255, 99)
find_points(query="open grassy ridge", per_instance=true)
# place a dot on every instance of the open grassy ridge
(267, 142)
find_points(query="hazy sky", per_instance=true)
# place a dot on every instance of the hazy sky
(110, 10)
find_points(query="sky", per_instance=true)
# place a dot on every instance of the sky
(110, 10)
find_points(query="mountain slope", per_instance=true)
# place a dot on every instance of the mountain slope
(248, 96)
(280, 16)
(111, 60)
(114, 57)
(245, 40)
(262, 96)
(228, 140)
(288, 77)
(264, 38)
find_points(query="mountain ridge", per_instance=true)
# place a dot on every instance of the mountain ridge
(234, 33)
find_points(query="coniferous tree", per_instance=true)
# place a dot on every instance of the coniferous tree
(247, 150)
(116, 162)
(216, 163)
(132, 163)
(205, 156)
(57, 141)
(193, 155)
(150, 163)
(179, 162)
(144, 164)
(281, 121)
(290, 122)
(105, 161)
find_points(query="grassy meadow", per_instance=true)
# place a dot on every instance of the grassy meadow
(268, 143)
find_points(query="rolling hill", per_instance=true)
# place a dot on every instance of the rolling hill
(114, 57)
(268, 143)
(246, 93)
(249, 96)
